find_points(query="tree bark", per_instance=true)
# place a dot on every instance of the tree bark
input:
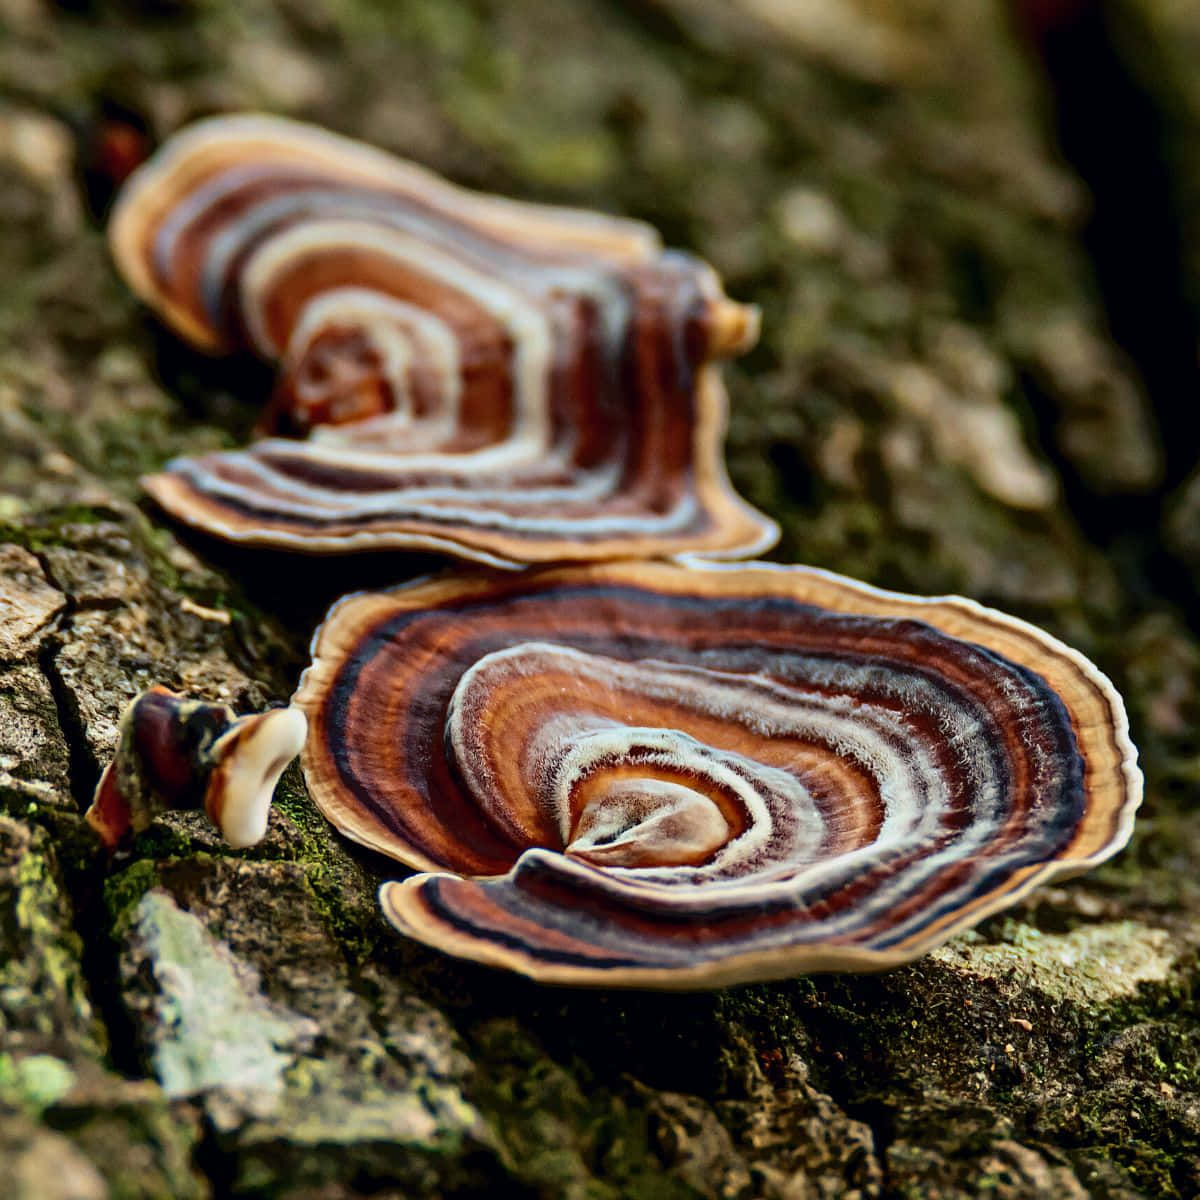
(937, 405)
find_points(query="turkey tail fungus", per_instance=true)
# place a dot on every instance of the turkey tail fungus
(499, 381)
(177, 753)
(651, 775)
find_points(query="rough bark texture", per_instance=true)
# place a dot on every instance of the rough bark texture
(937, 405)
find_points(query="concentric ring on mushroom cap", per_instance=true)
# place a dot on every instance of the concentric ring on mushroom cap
(500, 381)
(648, 775)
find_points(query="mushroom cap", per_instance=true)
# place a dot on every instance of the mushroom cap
(685, 776)
(496, 380)
(248, 760)
(175, 752)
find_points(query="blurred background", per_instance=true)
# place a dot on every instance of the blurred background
(973, 229)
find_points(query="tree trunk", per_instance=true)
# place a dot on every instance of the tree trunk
(937, 405)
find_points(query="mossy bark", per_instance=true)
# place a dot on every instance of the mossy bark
(936, 406)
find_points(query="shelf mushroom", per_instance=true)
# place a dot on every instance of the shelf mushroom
(499, 381)
(179, 753)
(665, 776)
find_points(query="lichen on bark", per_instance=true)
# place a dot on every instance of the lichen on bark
(936, 405)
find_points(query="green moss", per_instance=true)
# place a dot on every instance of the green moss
(342, 889)
(562, 1132)
(1150, 1169)
(143, 1147)
(124, 891)
(41, 976)
(1094, 967)
(38, 529)
(34, 1083)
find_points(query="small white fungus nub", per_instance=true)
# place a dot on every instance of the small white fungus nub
(247, 781)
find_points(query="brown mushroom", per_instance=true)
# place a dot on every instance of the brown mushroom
(650, 775)
(178, 753)
(499, 381)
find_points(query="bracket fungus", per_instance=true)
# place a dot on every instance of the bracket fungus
(496, 380)
(685, 776)
(178, 753)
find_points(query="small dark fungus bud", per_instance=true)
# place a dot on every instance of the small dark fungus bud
(499, 381)
(177, 753)
(646, 775)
